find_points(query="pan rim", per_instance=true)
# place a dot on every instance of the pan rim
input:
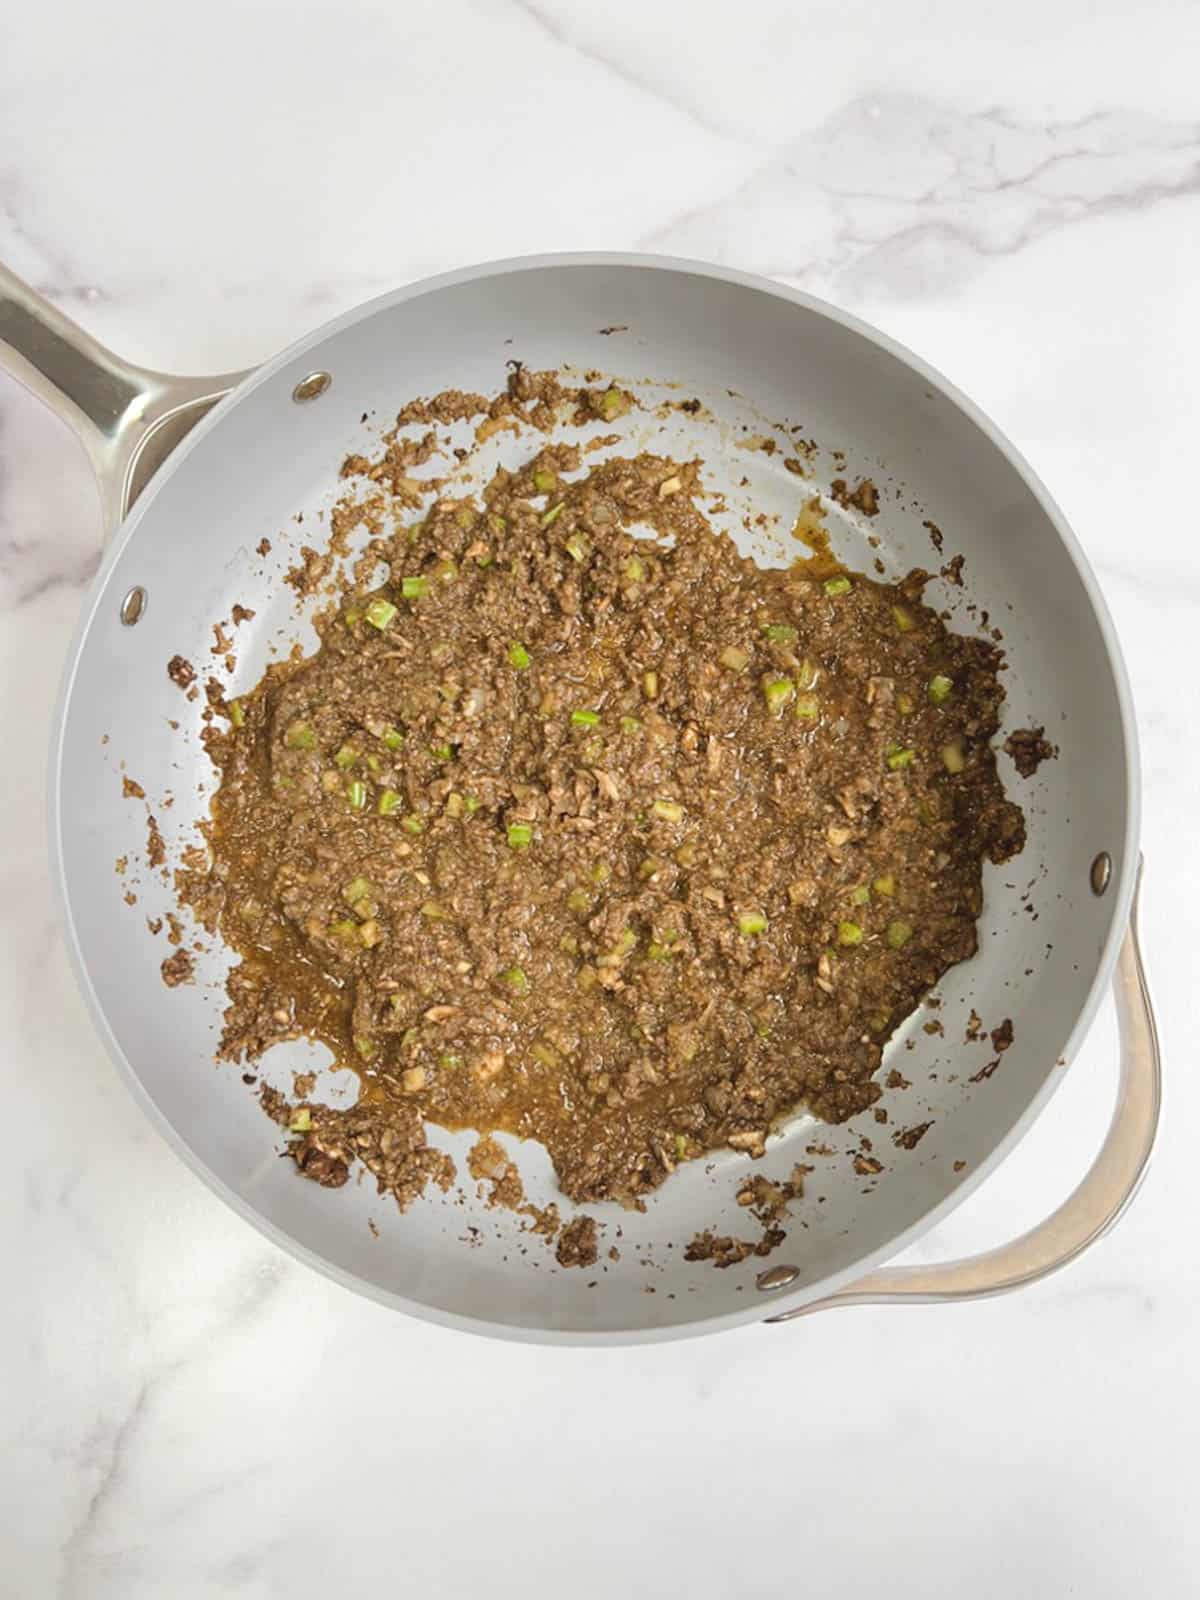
(1121, 891)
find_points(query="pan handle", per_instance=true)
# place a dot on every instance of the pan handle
(1087, 1214)
(128, 418)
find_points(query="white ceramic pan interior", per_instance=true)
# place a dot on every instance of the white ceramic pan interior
(755, 355)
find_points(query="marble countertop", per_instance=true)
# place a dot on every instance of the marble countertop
(189, 1413)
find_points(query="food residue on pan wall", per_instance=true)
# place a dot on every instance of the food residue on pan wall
(1028, 748)
(863, 497)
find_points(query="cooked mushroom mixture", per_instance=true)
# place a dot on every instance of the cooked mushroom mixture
(617, 842)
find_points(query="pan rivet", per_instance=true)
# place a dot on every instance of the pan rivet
(312, 387)
(777, 1278)
(133, 606)
(1101, 872)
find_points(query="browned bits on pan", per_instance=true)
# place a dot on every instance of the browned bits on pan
(1028, 748)
(331, 1172)
(863, 497)
(1002, 1036)
(452, 405)
(181, 671)
(488, 1162)
(910, 1138)
(178, 968)
(156, 850)
(578, 1243)
(132, 790)
(724, 1251)
(769, 1199)
(721, 1249)
(309, 573)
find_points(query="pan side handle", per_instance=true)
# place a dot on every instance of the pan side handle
(1087, 1214)
(128, 418)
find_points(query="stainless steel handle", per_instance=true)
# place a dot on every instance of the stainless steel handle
(128, 418)
(1109, 1186)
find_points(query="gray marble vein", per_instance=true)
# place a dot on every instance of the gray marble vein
(110, 1447)
(562, 25)
(904, 198)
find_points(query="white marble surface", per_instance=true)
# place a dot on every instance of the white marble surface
(1015, 191)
